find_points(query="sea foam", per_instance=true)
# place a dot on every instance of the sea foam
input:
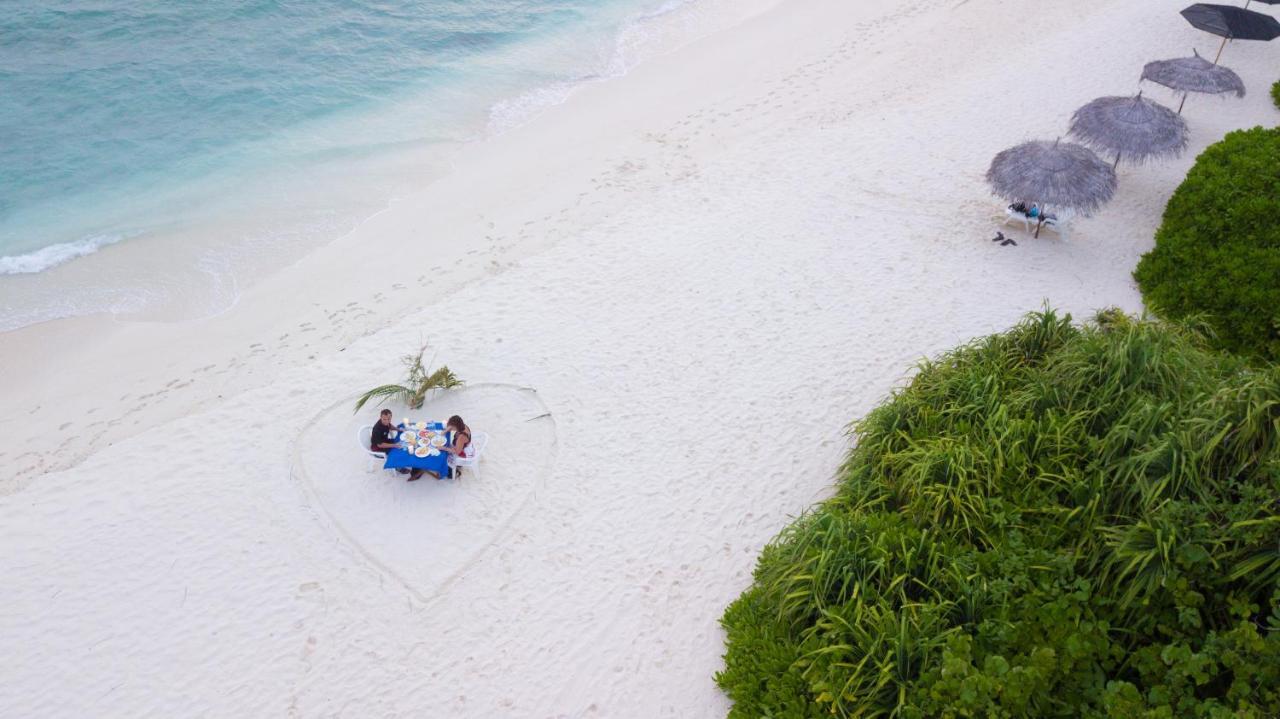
(638, 37)
(213, 139)
(54, 255)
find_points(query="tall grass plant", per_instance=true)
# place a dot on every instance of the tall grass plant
(1056, 521)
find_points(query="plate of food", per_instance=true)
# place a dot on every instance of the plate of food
(409, 437)
(422, 452)
(437, 441)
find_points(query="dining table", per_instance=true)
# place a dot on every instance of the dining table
(419, 446)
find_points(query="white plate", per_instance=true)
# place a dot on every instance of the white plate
(437, 441)
(408, 436)
(422, 452)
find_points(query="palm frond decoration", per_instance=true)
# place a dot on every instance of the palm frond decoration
(384, 393)
(417, 385)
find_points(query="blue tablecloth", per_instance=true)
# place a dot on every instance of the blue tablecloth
(399, 458)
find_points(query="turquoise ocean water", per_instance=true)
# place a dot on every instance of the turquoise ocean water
(123, 119)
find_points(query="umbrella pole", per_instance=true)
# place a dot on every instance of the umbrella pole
(1184, 101)
(1116, 166)
(1039, 224)
(1220, 49)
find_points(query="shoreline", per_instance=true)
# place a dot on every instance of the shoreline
(175, 266)
(703, 269)
(244, 344)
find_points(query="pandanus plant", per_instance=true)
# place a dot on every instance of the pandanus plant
(1059, 520)
(416, 386)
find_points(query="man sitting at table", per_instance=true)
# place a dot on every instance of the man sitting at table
(383, 437)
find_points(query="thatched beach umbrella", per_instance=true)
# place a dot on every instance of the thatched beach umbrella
(1231, 23)
(1133, 128)
(1193, 74)
(1053, 174)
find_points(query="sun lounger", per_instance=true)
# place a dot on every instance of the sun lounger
(1056, 222)
(1013, 216)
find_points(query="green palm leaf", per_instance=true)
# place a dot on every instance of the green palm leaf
(418, 383)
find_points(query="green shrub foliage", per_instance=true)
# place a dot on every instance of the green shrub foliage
(1275, 93)
(1217, 251)
(1057, 521)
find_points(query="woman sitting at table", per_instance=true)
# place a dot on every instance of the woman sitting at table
(461, 446)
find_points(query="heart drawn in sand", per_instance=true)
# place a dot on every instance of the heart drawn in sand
(425, 533)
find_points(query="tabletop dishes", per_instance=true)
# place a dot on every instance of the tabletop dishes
(422, 439)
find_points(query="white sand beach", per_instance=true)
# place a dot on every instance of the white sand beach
(668, 295)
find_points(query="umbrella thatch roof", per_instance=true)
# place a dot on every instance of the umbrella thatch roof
(1133, 128)
(1056, 174)
(1194, 74)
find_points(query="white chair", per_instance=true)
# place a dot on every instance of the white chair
(476, 448)
(364, 437)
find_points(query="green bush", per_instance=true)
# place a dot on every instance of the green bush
(1217, 252)
(1057, 521)
(1275, 93)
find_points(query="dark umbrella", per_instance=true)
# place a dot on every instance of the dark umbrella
(1265, 2)
(1193, 74)
(1134, 128)
(1232, 23)
(1057, 174)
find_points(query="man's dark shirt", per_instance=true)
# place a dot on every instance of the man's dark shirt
(382, 435)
